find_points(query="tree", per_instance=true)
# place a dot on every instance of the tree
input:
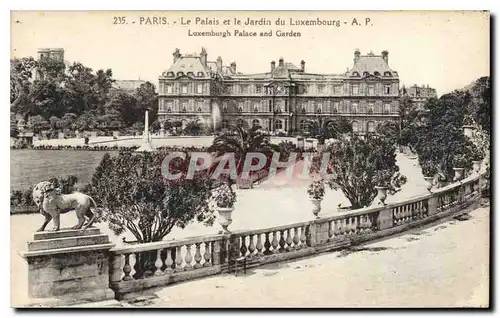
(330, 128)
(21, 73)
(137, 198)
(361, 164)
(147, 99)
(38, 123)
(240, 141)
(193, 128)
(125, 105)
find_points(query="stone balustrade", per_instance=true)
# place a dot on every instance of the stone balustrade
(137, 267)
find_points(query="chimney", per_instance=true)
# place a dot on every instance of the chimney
(233, 67)
(219, 64)
(176, 55)
(356, 55)
(385, 56)
(281, 62)
(303, 65)
(273, 66)
(203, 57)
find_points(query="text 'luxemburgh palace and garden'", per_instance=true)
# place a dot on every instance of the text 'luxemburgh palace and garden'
(240, 25)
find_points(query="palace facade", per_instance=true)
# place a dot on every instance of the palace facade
(283, 99)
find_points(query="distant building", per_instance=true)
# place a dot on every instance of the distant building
(282, 99)
(419, 95)
(125, 86)
(56, 54)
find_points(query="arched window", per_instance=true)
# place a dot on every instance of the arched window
(304, 124)
(355, 74)
(376, 73)
(387, 74)
(255, 123)
(366, 73)
(355, 126)
(303, 110)
(200, 74)
(278, 124)
(354, 108)
(240, 123)
(371, 127)
(240, 109)
(225, 124)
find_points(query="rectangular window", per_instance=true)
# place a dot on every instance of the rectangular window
(338, 90)
(199, 88)
(168, 89)
(169, 106)
(258, 89)
(200, 106)
(335, 107)
(184, 89)
(354, 107)
(371, 108)
(321, 88)
(371, 90)
(184, 106)
(244, 89)
(355, 89)
(387, 108)
(387, 89)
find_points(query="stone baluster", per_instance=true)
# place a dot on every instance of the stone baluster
(282, 242)
(133, 264)
(267, 245)
(362, 223)
(178, 259)
(197, 256)
(116, 268)
(259, 245)
(289, 240)
(296, 238)
(251, 247)
(331, 229)
(275, 243)
(206, 255)
(158, 263)
(169, 262)
(303, 238)
(188, 258)
(243, 248)
(127, 268)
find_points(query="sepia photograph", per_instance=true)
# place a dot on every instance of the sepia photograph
(250, 159)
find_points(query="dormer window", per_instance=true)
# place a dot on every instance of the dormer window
(387, 74)
(179, 73)
(355, 74)
(200, 74)
(170, 74)
(184, 89)
(190, 74)
(376, 73)
(366, 73)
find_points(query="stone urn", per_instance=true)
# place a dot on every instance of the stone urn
(459, 174)
(381, 194)
(428, 182)
(476, 166)
(316, 206)
(225, 218)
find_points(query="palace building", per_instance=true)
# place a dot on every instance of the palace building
(283, 99)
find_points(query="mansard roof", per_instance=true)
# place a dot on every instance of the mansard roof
(371, 64)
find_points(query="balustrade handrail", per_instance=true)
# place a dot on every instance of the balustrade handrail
(271, 229)
(142, 247)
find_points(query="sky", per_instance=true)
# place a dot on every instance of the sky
(446, 50)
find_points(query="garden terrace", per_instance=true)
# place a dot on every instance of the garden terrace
(137, 267)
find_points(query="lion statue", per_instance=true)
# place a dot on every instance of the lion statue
(52, 203)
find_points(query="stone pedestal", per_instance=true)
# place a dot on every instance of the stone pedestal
(68, 267)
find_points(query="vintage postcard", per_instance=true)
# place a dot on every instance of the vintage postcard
(250, 159)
